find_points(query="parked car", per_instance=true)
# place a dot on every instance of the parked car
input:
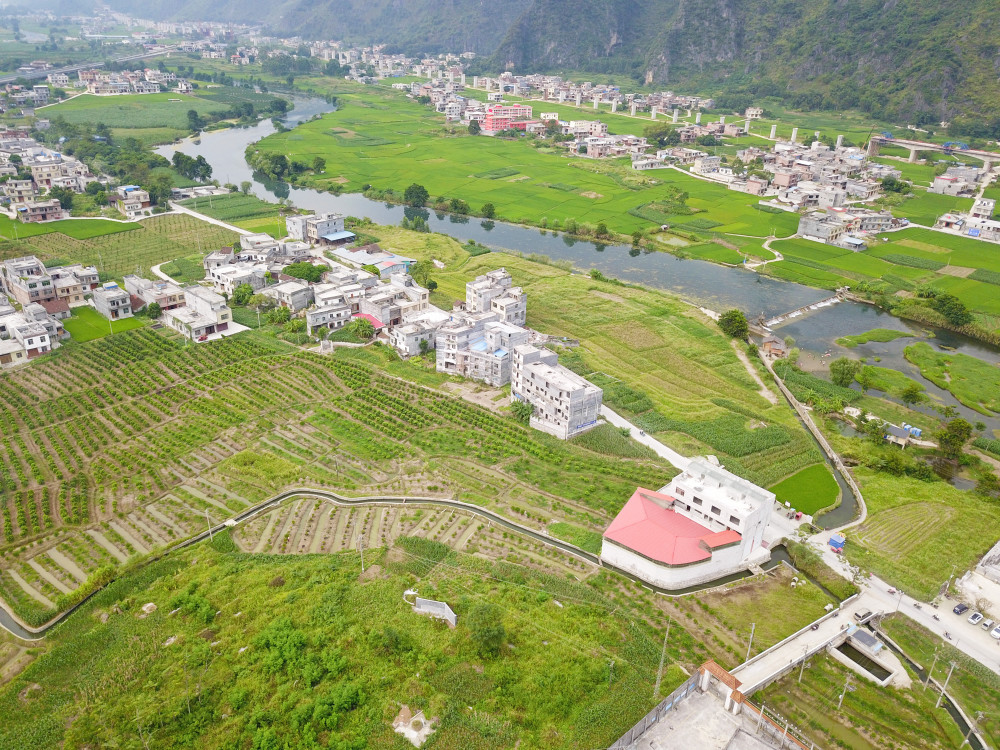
(961, 609)
(987, 625)
(862, 614)
(996, 632)
(975, 618)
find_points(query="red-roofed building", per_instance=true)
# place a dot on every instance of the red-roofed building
(371, 319)
(705, 524)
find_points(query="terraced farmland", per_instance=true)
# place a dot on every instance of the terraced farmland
(128, 444)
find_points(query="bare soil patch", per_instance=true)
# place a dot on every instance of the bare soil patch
(591, 194)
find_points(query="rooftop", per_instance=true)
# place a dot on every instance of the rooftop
(648, 525)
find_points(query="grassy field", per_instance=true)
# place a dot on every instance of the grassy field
(972, 381)
(87, 324)
(242, 210)
(881, 335)
(903, 261)
(924, 208)
(78, 229)
(147, 243)
(915, 531)
(328, 656)
(140, 111)
(809, 490)
(659, 362)
(972, 685)
(379, 137)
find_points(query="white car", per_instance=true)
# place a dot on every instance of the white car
(996, 632)
(975, 618)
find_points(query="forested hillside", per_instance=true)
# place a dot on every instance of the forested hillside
(916, 60)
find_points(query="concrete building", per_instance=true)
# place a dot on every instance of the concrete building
(203, 313)
(494, 291)
(27, 334)
(166, 294)
(822, 226)
(565, 404)
(112, 302)
(295, 295)
(320, 229)
(705, 524)
(38, 211)
(478, 346)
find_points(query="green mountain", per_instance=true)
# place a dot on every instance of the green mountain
(916, 60)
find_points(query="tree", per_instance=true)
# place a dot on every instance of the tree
(362, 328)
(475, 128)
(486, 628)
(843, 370)
(424, 346)
(242, 295)
(278, 316)
(416, 195)
(952, 308)
(912, 394)
(319, 164)
(636, 237)
(260, 302)
(194, 120)
(601, 230)
(866, 378)
(734, 324)
(953, 436)
(369, 268)
(245, 187)
(63, 195)
(160, 188)
(522, 411)
(305, 271)
(893, 185)
(489, 210)
(153, 310)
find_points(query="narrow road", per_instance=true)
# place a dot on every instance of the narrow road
(231, 227)
(681, 462)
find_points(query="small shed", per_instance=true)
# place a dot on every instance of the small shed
(774, 347)
(837, 541)
(866, 640)
(437, 610)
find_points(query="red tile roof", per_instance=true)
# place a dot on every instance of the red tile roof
(55, 306)
(648, 525)
(371, 319)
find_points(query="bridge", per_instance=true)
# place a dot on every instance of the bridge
(875, 143)
(778, 319)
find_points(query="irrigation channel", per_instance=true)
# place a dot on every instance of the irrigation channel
(778, 555)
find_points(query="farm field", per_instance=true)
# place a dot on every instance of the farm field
(331, 654)
(924, 208)
(871, 717)
(147, 243)
(660, 362)
(241, 210)
(125, 444)
(905, 260)
(379, 137)
(78, 229)
(809, 490)
(87, 324)
(916, 530)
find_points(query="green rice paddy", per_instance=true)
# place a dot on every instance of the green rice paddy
(809, 490)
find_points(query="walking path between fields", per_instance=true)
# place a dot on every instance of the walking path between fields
(231, 227)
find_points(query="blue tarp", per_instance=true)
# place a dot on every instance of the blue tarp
(338, 236)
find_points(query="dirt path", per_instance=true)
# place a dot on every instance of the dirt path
(107, 545)
(31, 591)
(67, 564)
(127, 535)
(321, 529)
(266, 533)
(752, 371)
(48, 577)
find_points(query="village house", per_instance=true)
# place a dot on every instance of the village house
(113, 302)
(27, 334)
(320, 229)
(385, 262)
(478, 346)
(494, 292)
(294, 294)
(565, 404)
(166, 294)
(203, 314)
(39, 211)
(705, 524)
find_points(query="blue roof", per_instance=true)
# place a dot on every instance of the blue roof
(478, 346)
(500, 353)
(338, 236)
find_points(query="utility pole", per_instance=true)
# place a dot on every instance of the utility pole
(979, 715)
(847, 685)
(753, 627)
(945, 686)
(760, 723)
(663, 656)
(805, 653)
(934, 664)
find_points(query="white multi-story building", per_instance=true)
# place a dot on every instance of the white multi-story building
(27, 334)
(494, 292)
(705, 524)
(166, 294)
(320, 229)
(113, 302)
(204, 313)
(478, 346)
(566, 405)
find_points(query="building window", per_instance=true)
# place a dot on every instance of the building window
(715, 511)
(680, 492)
(697, 500)
(734, 520)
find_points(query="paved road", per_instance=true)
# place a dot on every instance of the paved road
(970, 639)
(681, 462)
(231, 227)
